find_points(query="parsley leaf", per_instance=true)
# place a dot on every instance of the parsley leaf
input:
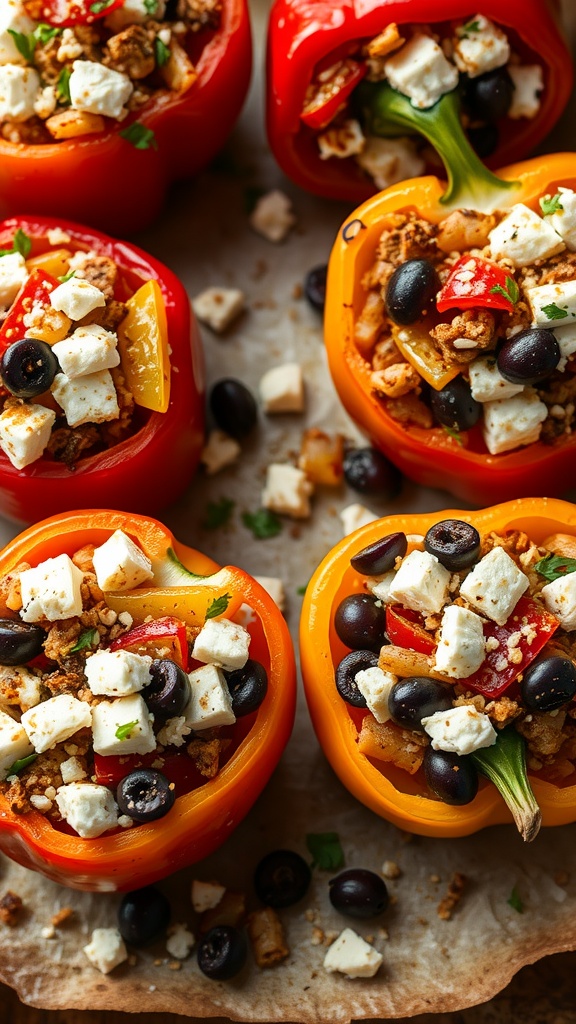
(263, 523)
(44, 33)
(218, 605)
(123, 731)
(151, 6)
(327, 853)
(302, 590)
(510, 292)
(454, 435)
(553, 312)
(86, 639)
(551, 204)
(63, 85)
(67, 276)
(472, 26)
(22, 243)
(139, 136)
(162, 52)
(552, 567)
(99, 6)
(218, 513)
(21, 763)
(24, 44)
(515, 901)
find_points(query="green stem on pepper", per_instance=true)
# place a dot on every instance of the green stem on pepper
(470, 183)
(504, 764)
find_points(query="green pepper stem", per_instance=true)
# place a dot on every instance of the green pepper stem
(504, 764)
(470, 183)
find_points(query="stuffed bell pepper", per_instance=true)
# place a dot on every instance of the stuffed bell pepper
(145, 698)
(103, 105)
(101, 380)
(501, 71)
(440, 669)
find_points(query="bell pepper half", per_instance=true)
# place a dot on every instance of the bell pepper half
(306, 37)
(390, 792)
(206, 812)
(120, 185)
(153, 465)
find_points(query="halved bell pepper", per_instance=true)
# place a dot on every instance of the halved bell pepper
(205, 815)
(155, 463)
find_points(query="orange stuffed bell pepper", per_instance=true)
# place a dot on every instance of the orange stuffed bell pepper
(436, 651)
(143, 719)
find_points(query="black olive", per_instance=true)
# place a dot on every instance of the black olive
(359, 622)
(233, 407)
(222, 952)
(529, 357)
(281, 878)
(315, 287)
(351, 664)
(549, 684)
(367, 471)
(169, 692)
(357, 892)
(418, 697)
(247, 687)
(454, 407)
(142, 915)
(411, 289)
(455, 543)
(20, 642)
(380, 556)
(484, 139)
(28, 368)
(489, 97)
(145, 795)
(451, 778)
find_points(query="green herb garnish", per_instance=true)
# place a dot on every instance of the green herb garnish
(21, 763)
(151, 6)
(86, 639)
(123, 731)
(551, 204)
(22, 243)
(218, 513)
(218, 605)
(100, 5)
(515, 901)
(454, 435)
(162, 52)
(326, 850)
(67, 276)
(302, 590)
(63, 85)
(263, 523)
(510, 292)
(139, 136)
(24, 44)
(553, 312)
(44, 33)
(472, 26)
(552, 567)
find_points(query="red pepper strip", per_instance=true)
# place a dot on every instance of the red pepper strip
(77, 12)
(405, 629)
(165, 628)
(36, 291)
(177, 767)
(475, 282)
(329, 92)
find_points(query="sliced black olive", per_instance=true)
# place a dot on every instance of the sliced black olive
(529, 357)
(169, 692)
(451, 778)
(489, 96)
(484, 139)
(549, 684)
(315, 287)
(281, 878)
(380, 556)
(357, 892)
(19, 641)
(247, 687)
(28, 368)
(454, 407)
(418, 697)
(455, 543)
(145, 795)
(411, 289)
(233, 407)
(346, 672)
(359, 622)
(367, 471)
(222, 952)
(143, 915)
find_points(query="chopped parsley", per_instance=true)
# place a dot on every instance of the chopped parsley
(218, 605)
(86, 639)
(139, 136)
(454, 435)
(552, 567)
(123, 731)
(63, 85)
(263, 523)
(24, 44)
(20, 764)
(302, 590)
(218, 513)
(326, 850)
(515, 901)
(162, 52)
(551, 204)
(151, 6)
(553, 312)
(21, 243)
(44, 33)
(99, 6)
(511, 292)
(468, 28)
(67, 276)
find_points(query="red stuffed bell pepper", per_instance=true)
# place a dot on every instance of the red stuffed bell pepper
(106, 104)
(502, 69)
(101, 373)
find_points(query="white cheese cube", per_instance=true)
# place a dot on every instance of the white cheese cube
(460, 650)
(381, 586)
(287, 491)
(460, 730)
(523, 237)
(553, 304)
(351, 955)
(495, 585)
(25, 430)
(479, 46)
(282, 389)
(180, 941)
(559, 596)
(111, 717)
(272, 216)
(354, 516)
(375, 685)
(222, 642)
(528, 82)
(421, 583)
(135, 12)
(76, 298)
(55, 720)
(13, 274)
(566, 338)
(387, 161)
(13, 18)
(420, 71)
(18, 90)
(14, 744)
(96, 89)
(117, 673)
(220, 451)
(88, 350)
(562, 220)
(71, 770)
(120, 564)
(51, 590)
(512, 422)
(218, 307)
(487, 383)
(106, 948)
(18, 686)
(275, 588)
(90, 810)
(346, 140)
(209, 705)
(206, 895)
(90, 399)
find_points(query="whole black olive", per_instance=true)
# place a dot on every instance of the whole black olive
(233, 407)
(20, 642)
(169, 692)
(222, 952)
(357, 892)
(529, 357)
(145, 795)
(247, 687)
(359, 622)
(549, 684)
(142, 915)
(351, 664)
(281, 878)
(380, 556)
(418, 697)
(489, 96)
(451, 778)
(367, 471)
(315, 287)
(411, 289)
(484, 139)
(28, 368)
(454, 407)
(455, 543)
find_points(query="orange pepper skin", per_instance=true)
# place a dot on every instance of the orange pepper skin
(391, 792)
(432, 457)
(202, 819)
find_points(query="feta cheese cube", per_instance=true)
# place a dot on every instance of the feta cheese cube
(421, 583)
(117, 673)
(206, 895)
(495, 585)
(71, 770)
(460, 650)
(88, 350)
(487, 383)
(96, 89)
(460, 730)
(209, 705)
(51, 590)
(14, 744)
(179, 942)
(13, 18)
(275, 588)
(375, 685)
(523, 237)
(25, 430)
(566, 338)
(89, 399)
(479, 46)
(563, 220)
(106, 949)
(13, 274)
(222, 642)
(553, 304)
(560, 600)
(420, 71)
(345, 140)
(55, 720)
(109, 718)
(135, 12)
(77, 297)
(18, 687)
(355, 516)
(351, 955)
(387, 161)
(220, 451)
(512, 422)
(218, 307)
(120, 564)
(18, 90)
(380, 586)
(528, 82)
(282, 389)
(287, 491)
(90, 810)
(272, 216)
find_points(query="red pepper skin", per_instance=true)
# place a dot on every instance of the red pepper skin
(76, 12)
(302, 33)
(157, 629)
(404, 629)
(318, 111)
(486, 289)
(37, 288)
(153, 466)
(104, 180)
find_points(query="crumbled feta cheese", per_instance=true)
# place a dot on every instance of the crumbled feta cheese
(106, 949)
(45, 102)
(487, 383)
(96, 89)
(351, 955)
(460, 650)
(120, 564)
(355, 516)
(460, 730)
(272, 216)
(218, 307)
(287, 491)
(89, 399)
(566, 338)
(495, 585)
(479, 46)
(275, 588)
(179, 942)
(206, 895)
(563, 220)
(560, 600)
(421, 583)
(19, 686)
(14, 744)
(25, 430)
(55, 720)
(220, 451)
(174, 732)
(512, 422)
(553, 304)
(18, 90)
(41, 803)
(420, 71)
(76, 297)
(223, 643)
(209, 705)
(135, 12)
(375, 686)
(112, 717)
(51, 590)
(528, 82)
(71, 770)
(282, 389)
(69, 47)
(380, 586)
(390, 160)
(13, 18)
(13, 274)
(345, 140)
(523, 237)
(88, 350)
(117, 673)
